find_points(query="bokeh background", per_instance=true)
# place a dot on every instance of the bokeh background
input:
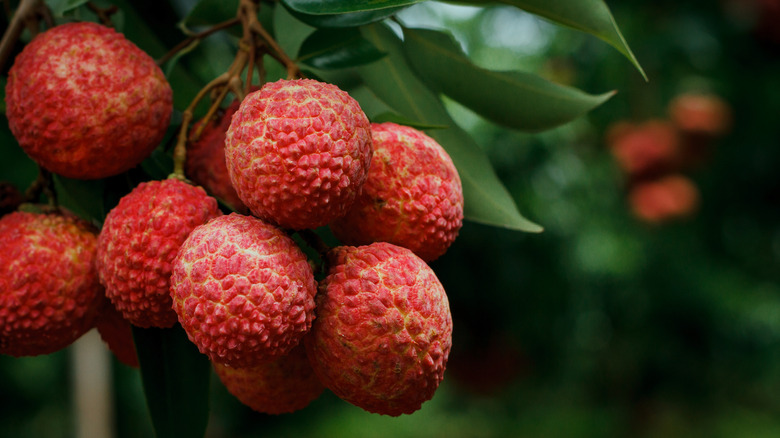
(611, 322)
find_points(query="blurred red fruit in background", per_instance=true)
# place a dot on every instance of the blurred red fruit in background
(646, 148)
(668, 198)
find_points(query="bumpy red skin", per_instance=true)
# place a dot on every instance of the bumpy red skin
(49, 289)
(243, 290)
(205, 164)
(140, 239)
(86, 103)
(413, 195)
(383, 330)
(117, 333)
(297, 152)
(282, 386)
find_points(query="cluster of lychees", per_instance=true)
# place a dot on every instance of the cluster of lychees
(292, 156)
(655, 154)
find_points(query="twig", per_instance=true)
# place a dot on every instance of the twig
(104, 14)
(197, 37)
(42, 184)
(276, 51)
(26, 10)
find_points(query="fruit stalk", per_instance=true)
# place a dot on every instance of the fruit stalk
(27, 10)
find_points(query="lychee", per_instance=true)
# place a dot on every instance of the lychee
(284, 385)
(84, 102)
(117, 333)
(243, 291)
(49, 289)
(412, 197)
(646, 148)
(205, 164)
(700, 113)
(140, 239)
(667, 198)
(297, 152)
(383, 330)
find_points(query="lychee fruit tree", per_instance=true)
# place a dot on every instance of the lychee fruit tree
(333, 120)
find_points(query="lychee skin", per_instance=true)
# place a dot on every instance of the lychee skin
(700, 113)
(49, 289)
(647, 148)
(297, 152)
(86, 103)
(205, 163)
(140, 239)
(243, 290)
(117, 333)
(665, 199)
(413, 195)
(383, 331)
(285, 385)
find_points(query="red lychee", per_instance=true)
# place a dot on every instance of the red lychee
(140, 239)
(284, 385)
(297, 152)
(117, 333)
(412, 197)
(645, 148)
(700, 113)
(243, 290)
(205, 164)
(49, 289)
(84, 102)
(383, 330)
(668, 198)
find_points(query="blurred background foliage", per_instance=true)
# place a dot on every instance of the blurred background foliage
(604, 325)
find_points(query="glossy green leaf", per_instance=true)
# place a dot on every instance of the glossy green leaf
(513, 99)
(591, 16)
(486, 199)
(175, 378)
(85, 198)
(344, 13)
(337, 48)
(138, 30)
(208, 12)
(401, 120)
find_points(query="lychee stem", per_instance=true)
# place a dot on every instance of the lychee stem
(104, 14)
(42, 184)
(254, 38)
(27, 14)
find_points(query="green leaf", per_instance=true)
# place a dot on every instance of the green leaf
(208, 12)
(486, 199)
(60, 7)
(338, 13)
(591, 16)
(401, 120)
(513, 99)
(325, 7)
(175, 378)
(139, 31)
(337, 48)
(85, 198)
